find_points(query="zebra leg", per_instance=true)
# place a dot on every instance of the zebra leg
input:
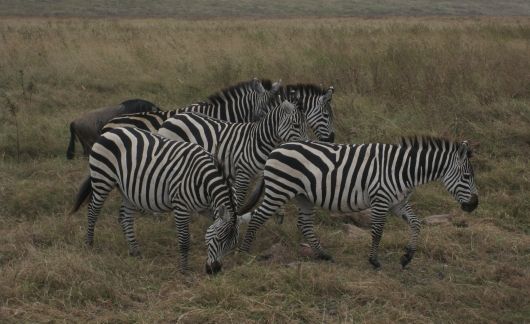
(94, 208)
(241, 187)
(280, 215)
(126, 220)
(258, 218)
(378, 218)
(182, 223)
(260, 215)
(306, 213)
(405, 211)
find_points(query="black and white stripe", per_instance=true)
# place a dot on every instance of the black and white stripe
(242, 148)
(156, 174)
(316, 104)
(245, 102)
(341, 177)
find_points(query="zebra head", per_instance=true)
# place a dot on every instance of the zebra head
(265, 99)
(459, 178)
(292, 125)
(221, 237)
(316, 103)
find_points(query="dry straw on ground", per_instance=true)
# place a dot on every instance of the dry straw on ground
(461, 78)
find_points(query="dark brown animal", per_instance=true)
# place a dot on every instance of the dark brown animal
(87, 128)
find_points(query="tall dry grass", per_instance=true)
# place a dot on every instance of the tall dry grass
(461, 78)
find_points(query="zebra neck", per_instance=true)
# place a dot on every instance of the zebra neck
(423, 165)
(218, 193)
(264, 133)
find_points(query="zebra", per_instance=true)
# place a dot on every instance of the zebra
(244, 102)
(242, 148)
(342, 177)
(316, 104)
(156, 174)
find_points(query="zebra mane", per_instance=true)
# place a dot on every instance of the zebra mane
(307, 87)
(302, 87)
(234, 90)
(424, 142)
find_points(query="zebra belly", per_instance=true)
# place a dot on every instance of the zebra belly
(357, 201)
(152, 201)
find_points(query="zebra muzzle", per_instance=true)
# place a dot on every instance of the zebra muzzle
(213, 268)
(471, 204)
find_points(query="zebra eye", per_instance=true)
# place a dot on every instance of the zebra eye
(296, 125)
(466, 176)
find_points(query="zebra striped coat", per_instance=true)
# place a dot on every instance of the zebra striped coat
(355, 177)
(244, 102)
(316, 105)
(157, 174)
(242, 148)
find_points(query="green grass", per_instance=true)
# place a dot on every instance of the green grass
(460, 78)
(263, 9)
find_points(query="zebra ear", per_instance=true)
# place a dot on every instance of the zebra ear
(295, 99)
(257, 86)
(276, 87)
(327, 96)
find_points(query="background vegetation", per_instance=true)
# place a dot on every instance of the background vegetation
(460, 78)
(264, 9)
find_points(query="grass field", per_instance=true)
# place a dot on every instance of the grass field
(454, 77)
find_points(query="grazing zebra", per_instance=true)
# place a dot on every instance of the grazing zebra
(341, 177)
(316, 104)
(156, 174)
(88, 126)
(244, 102)
(242, 148)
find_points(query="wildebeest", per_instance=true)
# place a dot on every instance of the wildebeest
(87, 128)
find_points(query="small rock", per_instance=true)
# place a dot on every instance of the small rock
(353, 231)
(438, 219)
(305, 250)
(361, 219)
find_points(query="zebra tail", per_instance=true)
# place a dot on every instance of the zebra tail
(85, 191)
(252, 199)
(71, 146)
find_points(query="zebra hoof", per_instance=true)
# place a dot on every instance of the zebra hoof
(89, 244)
(404, 261)
(407, 257)
(213, 268)
(375, 263)
(279, 219)
(135, 253)
(325, 257)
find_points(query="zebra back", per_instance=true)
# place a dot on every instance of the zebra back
(244, 102)
(148, 121)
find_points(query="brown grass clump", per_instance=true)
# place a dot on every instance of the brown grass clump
(460, 78)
